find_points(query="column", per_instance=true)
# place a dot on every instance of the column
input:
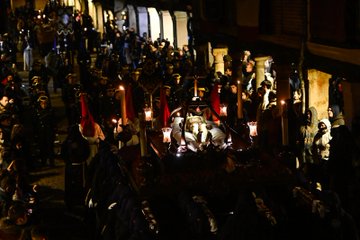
(260, 69)
(219, 54)
(132, 18)
(167, 26)
(181, 29)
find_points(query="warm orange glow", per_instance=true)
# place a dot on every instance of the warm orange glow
(223, 110)
(166, 134)
(252, 128)
(148, 114)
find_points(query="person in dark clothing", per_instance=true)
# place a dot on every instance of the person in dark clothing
(342, 145)
(41, 71)
(44, 129)
(69, 92)
(232, 104)
(7, 190)
(16, 225)
(305, 138)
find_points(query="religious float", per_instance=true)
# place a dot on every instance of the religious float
(195, 177)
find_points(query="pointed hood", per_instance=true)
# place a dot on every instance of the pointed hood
(87, 121)
(164, 109)
(215, 100)
(130, 112)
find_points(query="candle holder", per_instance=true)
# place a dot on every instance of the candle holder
(223, 110)
(148, 114)
(253, 129)
(166, 134)
(182, 148)
(229, 140)
(252, 132)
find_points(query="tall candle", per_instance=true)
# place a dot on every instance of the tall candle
(143, 139)
(123, 105)
(239, 101)
(284, 124)
(195, 87)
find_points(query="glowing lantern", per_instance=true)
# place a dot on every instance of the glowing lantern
(223, 110)
(166, 134)
(253, 129)
(148, 114)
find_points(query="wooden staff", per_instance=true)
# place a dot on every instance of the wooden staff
(239, 100)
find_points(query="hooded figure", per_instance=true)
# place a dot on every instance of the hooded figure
(306, 135)
(321, 144)
(89, 129)
(343, 146)
(321, 153)
(335, 115)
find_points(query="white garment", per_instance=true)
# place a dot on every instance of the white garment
(93, 141)
(218, 136)
(28, 58)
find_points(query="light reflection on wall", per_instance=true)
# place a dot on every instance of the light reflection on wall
(168, 27)
(132, 18)
(181, 28)
(143, 21)
(154, 23)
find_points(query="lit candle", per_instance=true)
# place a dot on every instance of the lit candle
(284, 124)
(229, 139)
(239, 102)
(143, 141)
(123, 104)
(195, 87)
(166, 134)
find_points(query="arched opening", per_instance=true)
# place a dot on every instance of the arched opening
(155, 28)
(181, 28)
(167, 26)
(143, 20)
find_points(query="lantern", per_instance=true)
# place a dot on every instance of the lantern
(166, 134)
(223, 110)
(253, 129)
(148, 114)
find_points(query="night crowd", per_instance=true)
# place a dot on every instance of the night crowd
(152, 73)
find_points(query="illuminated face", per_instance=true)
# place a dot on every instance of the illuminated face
(322, 127)
(243, 96)
(177, 80)
(296, 95)
(233, 89)
(249, 67)
(4, 101)
(330, 113)
(167, 91)
(43, 104)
